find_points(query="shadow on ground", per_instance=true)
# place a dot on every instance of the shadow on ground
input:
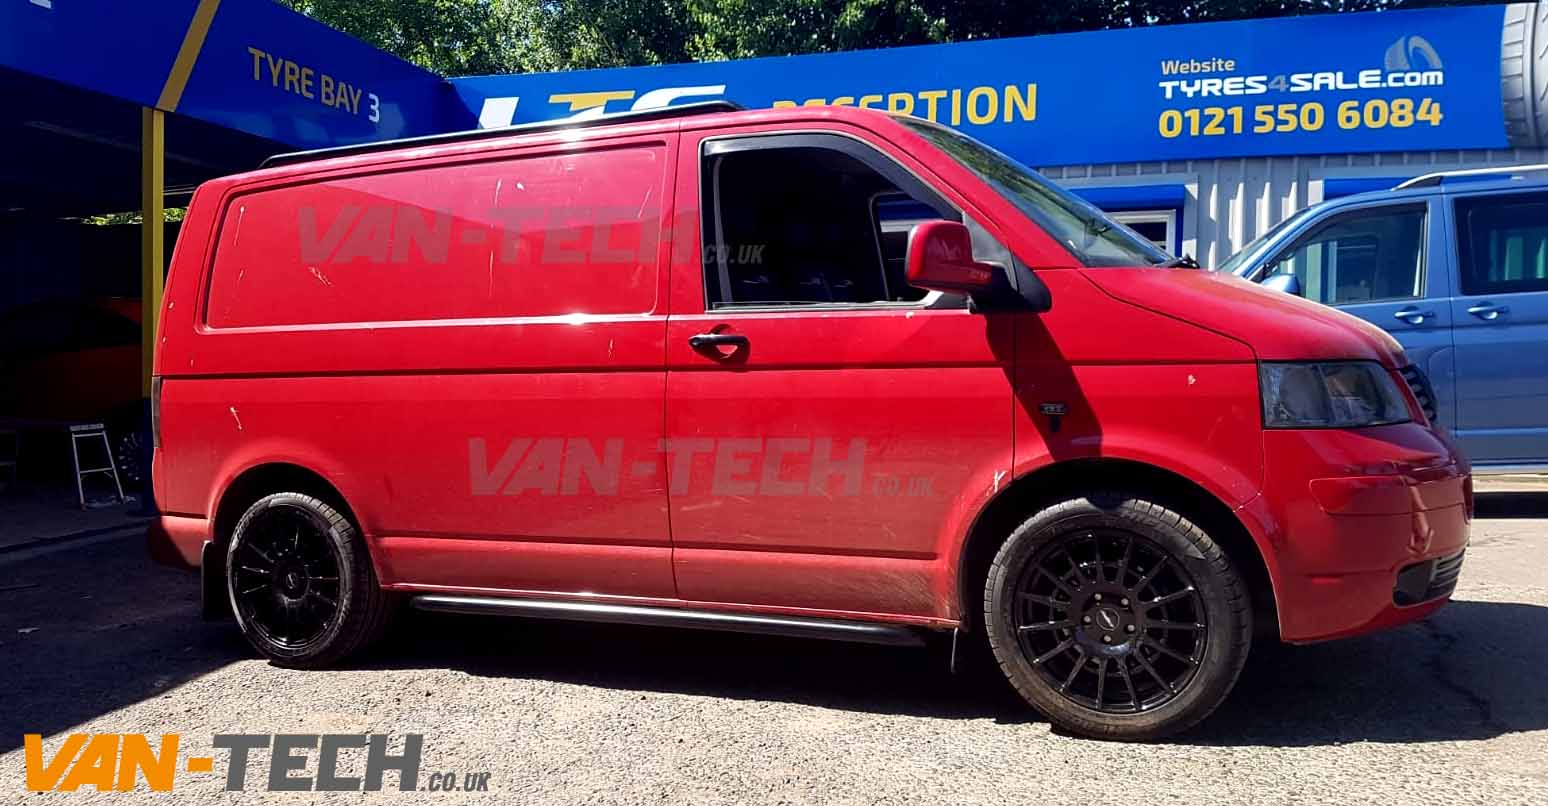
(104, 629)
(89, 629)
(1470, 672)
(1511, 505)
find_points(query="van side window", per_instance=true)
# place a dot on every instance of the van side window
(547, 234)
(1360, 256)
(1503, 243)
(805, 225)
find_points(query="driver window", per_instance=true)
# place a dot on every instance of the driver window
(805, 225)
(1363, 256)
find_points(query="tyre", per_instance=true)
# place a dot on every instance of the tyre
(1117, 617)
(126, 457)
(301, 583)
(1523, 79)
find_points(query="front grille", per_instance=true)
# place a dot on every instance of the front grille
(1431, 579)
(1421, 389)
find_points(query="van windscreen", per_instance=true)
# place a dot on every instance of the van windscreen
(1078, 225)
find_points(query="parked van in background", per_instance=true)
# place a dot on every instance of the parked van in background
(815, 371)
(1455, 266)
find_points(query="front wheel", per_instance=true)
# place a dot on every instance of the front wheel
(1117, 617)
(301, 582)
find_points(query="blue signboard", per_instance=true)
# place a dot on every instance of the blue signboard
(251, 65)
(1388, 81)
(268, 70)
(124, 50)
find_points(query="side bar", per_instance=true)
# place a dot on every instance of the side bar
(792, 626)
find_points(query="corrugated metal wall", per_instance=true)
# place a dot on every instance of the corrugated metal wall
(1232, 201)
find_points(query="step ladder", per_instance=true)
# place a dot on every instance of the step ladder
(88, 433)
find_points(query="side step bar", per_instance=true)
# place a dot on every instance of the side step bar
(793, 626)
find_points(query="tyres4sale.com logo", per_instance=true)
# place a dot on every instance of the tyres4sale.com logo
(279, 762)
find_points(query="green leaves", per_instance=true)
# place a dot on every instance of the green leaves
(470, 37)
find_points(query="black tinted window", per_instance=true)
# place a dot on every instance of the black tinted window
(1503, 243)
(804, 225)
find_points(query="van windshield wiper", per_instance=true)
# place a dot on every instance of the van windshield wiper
(1184, 262)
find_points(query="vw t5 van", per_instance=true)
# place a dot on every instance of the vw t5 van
(815, 372)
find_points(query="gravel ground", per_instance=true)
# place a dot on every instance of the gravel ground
(94, 638)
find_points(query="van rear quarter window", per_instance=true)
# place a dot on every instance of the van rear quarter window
(530, 235)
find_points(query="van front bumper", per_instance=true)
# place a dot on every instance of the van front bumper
(1368, 527)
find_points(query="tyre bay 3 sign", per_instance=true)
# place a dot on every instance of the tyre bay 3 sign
(1452, 78)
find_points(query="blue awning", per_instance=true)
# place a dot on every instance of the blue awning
(1117, 198)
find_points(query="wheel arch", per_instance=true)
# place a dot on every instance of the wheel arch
(265, 479)
(1044, 485)
(242, 492)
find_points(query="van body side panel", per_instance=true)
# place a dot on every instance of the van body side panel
(820, 471)
(470, 351)
(1150, 388)
(180, 490)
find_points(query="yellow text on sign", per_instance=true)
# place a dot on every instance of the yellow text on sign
(976, 105)
(1374, 113)
(312, 84)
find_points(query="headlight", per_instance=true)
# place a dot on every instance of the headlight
(1343, 394)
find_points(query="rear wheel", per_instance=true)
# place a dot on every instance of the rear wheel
(301, 583)
(1117, 617)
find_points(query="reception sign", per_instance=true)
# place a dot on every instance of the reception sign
(1334, 83)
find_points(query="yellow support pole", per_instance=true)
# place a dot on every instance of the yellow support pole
(152, 234)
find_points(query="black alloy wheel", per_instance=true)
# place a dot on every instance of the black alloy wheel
(285, 579)
(126, 457)
(301, 582)
(1117, 617)
(1111, 621)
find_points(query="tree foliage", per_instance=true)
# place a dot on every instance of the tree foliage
(467, 37)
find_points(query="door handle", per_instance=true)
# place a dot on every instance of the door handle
(1488, 310)
(705, 341)
(1412, 315)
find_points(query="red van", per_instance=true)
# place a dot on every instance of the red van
(817, 371)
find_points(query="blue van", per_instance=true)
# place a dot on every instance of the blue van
(1455, 266)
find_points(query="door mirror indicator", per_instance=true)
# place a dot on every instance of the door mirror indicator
(940, 258)
(1284, 281)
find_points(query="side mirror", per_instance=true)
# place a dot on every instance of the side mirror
(940, 258)
(1283, 281)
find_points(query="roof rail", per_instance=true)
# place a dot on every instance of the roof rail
(662, 113)
(1437, 178)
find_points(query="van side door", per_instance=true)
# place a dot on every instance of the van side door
(829, 427)
(1501, 315)
(1387, 263)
